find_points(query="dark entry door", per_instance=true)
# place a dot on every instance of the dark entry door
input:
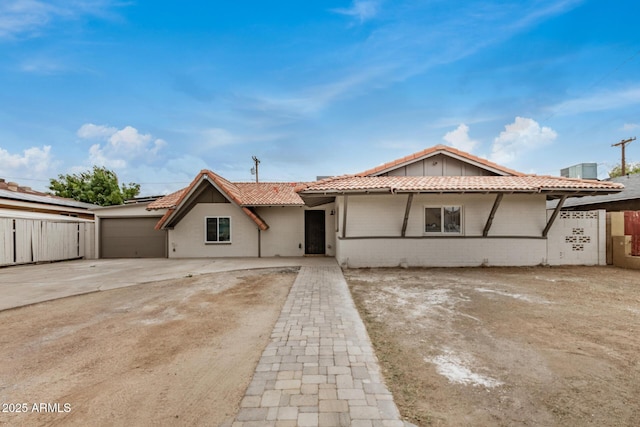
(314, 233)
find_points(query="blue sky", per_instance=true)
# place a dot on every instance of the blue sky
(158, 90)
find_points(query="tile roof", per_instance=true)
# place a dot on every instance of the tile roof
(458, 184)
(243, 194)
(436, 150)
(269, 193)
(168, 201)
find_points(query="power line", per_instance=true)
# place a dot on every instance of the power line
(601, 79)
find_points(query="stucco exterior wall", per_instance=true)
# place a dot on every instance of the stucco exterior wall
(374, 225)
(383, 215)
(132, 210)
(285, 236)
(445, 252)
(187, 239)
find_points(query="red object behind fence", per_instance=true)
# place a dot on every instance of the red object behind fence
(632, 228)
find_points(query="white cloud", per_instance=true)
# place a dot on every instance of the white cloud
(217, 137)
(630, 126)
(602, 101)
(173, 175)
(459, 138)
(89, 131)
(119, 146)
(315, 98)
(29, 17)
(520, 137)
(34, 162)
(362, 10)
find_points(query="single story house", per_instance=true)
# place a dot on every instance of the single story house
(438, 207)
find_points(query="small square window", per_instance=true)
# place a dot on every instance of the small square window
(443, 219)
(217, 229)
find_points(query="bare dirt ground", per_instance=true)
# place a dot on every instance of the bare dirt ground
(507, 346)
(177, 352)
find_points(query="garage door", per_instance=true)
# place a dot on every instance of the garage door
(132, 238)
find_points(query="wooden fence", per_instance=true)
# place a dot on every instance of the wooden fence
(24, 241)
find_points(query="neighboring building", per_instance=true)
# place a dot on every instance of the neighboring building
(626, 200)
(437, 207)
(20, 198)
(38, 227)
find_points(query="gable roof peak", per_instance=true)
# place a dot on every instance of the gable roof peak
(439, 149)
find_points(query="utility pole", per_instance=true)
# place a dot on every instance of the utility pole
(254, 170)
(622, 144)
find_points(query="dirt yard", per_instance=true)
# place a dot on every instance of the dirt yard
(178, 352)
(507, 346)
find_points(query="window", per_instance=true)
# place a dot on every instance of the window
(217, 229)
(443, 219)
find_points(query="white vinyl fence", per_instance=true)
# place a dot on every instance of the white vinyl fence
(24, 241)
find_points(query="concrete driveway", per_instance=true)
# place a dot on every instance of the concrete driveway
(29, 284)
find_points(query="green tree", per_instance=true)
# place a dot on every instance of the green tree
(631, 168)
(99, 186)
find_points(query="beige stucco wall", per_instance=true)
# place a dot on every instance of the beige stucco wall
(187, 239)
(519, 220)
(389, 252)
(285, 236)
(132, 210)
(383, 215)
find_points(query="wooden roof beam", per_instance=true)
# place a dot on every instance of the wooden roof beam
(406, 214)
(554, 215)
(496, 204)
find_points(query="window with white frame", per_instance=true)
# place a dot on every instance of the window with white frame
(217, 229)
(443, 219)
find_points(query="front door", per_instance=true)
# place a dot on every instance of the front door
(314, 233)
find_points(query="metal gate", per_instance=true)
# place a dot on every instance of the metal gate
(632, 228)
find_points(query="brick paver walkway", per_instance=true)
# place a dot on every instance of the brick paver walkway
(319, 368)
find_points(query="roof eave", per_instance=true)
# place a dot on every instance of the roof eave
(441, 149)
(390, 190)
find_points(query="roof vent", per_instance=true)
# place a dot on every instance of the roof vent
(12, 186)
